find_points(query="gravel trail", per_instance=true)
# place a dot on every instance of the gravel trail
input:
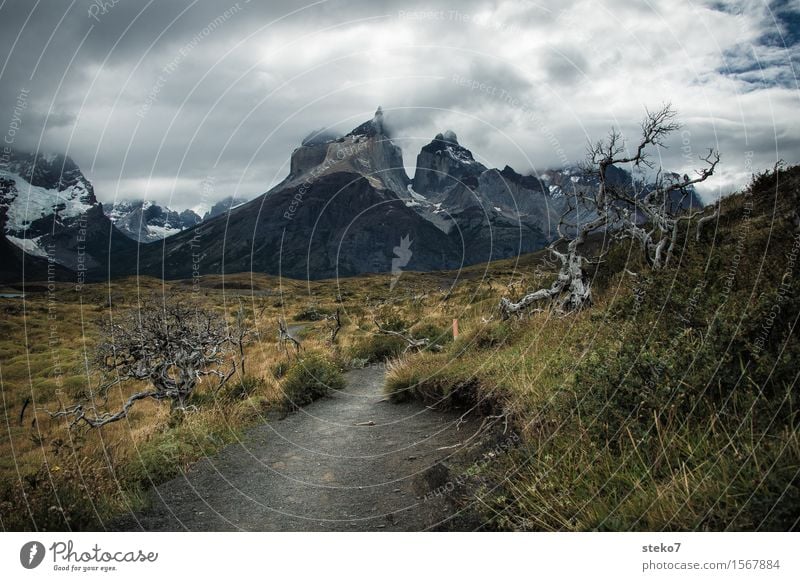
(349, 462)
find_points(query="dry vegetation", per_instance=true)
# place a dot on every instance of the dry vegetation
(653, 409)
(670, 404)
(54, 478)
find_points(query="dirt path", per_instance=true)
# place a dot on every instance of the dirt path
(319, 470)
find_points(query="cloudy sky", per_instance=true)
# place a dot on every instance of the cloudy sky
(155, 99)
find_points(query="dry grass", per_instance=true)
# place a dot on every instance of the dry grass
(54, 478)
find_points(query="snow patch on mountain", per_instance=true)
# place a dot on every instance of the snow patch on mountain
(31, 203)
(29, 245)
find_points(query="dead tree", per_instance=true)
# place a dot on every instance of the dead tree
(571, 291)
(167, 345)
(335, 325)
(284, 337)
(652, 217)
(241, 334)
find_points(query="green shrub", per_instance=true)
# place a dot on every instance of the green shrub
(56, 498)
(436, 336)
(421, 377)
(160, 459)
(376, 348)
(279, 368)
(394, 322)
(309, 378)
(489, 336)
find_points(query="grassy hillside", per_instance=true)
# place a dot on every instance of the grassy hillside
(670, 404)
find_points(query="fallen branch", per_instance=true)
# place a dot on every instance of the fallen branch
(411, 343)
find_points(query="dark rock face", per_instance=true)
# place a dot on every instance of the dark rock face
(342, 225)
(511, 212)
(17, 266)
(189, 218)
(221, 207)
(483, 235)
(443, 165)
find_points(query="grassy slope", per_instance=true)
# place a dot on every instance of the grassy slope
(671, 404)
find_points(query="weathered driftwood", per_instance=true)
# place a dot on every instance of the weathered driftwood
(411, 343)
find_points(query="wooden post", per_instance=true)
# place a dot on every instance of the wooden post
(455, 328)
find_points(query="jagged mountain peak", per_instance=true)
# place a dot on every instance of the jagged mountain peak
(367, 151)
(40, 190)
(372, 127)
(51, 171)
(48, 209)
(444, 164)
(147, 221)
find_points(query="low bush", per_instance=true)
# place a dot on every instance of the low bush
(437, 336)
(376, 348)
(309, 378)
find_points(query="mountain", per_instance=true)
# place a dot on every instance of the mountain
(17, 266)
(346, 207)
(572, 179)
(342, 210)
(145, 221)
(484, 208)
(48, 210)
(223, 206)
(444, 165)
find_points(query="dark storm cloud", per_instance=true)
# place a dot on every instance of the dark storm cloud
(153, 98)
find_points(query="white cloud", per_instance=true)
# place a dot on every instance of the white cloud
(243, 97)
